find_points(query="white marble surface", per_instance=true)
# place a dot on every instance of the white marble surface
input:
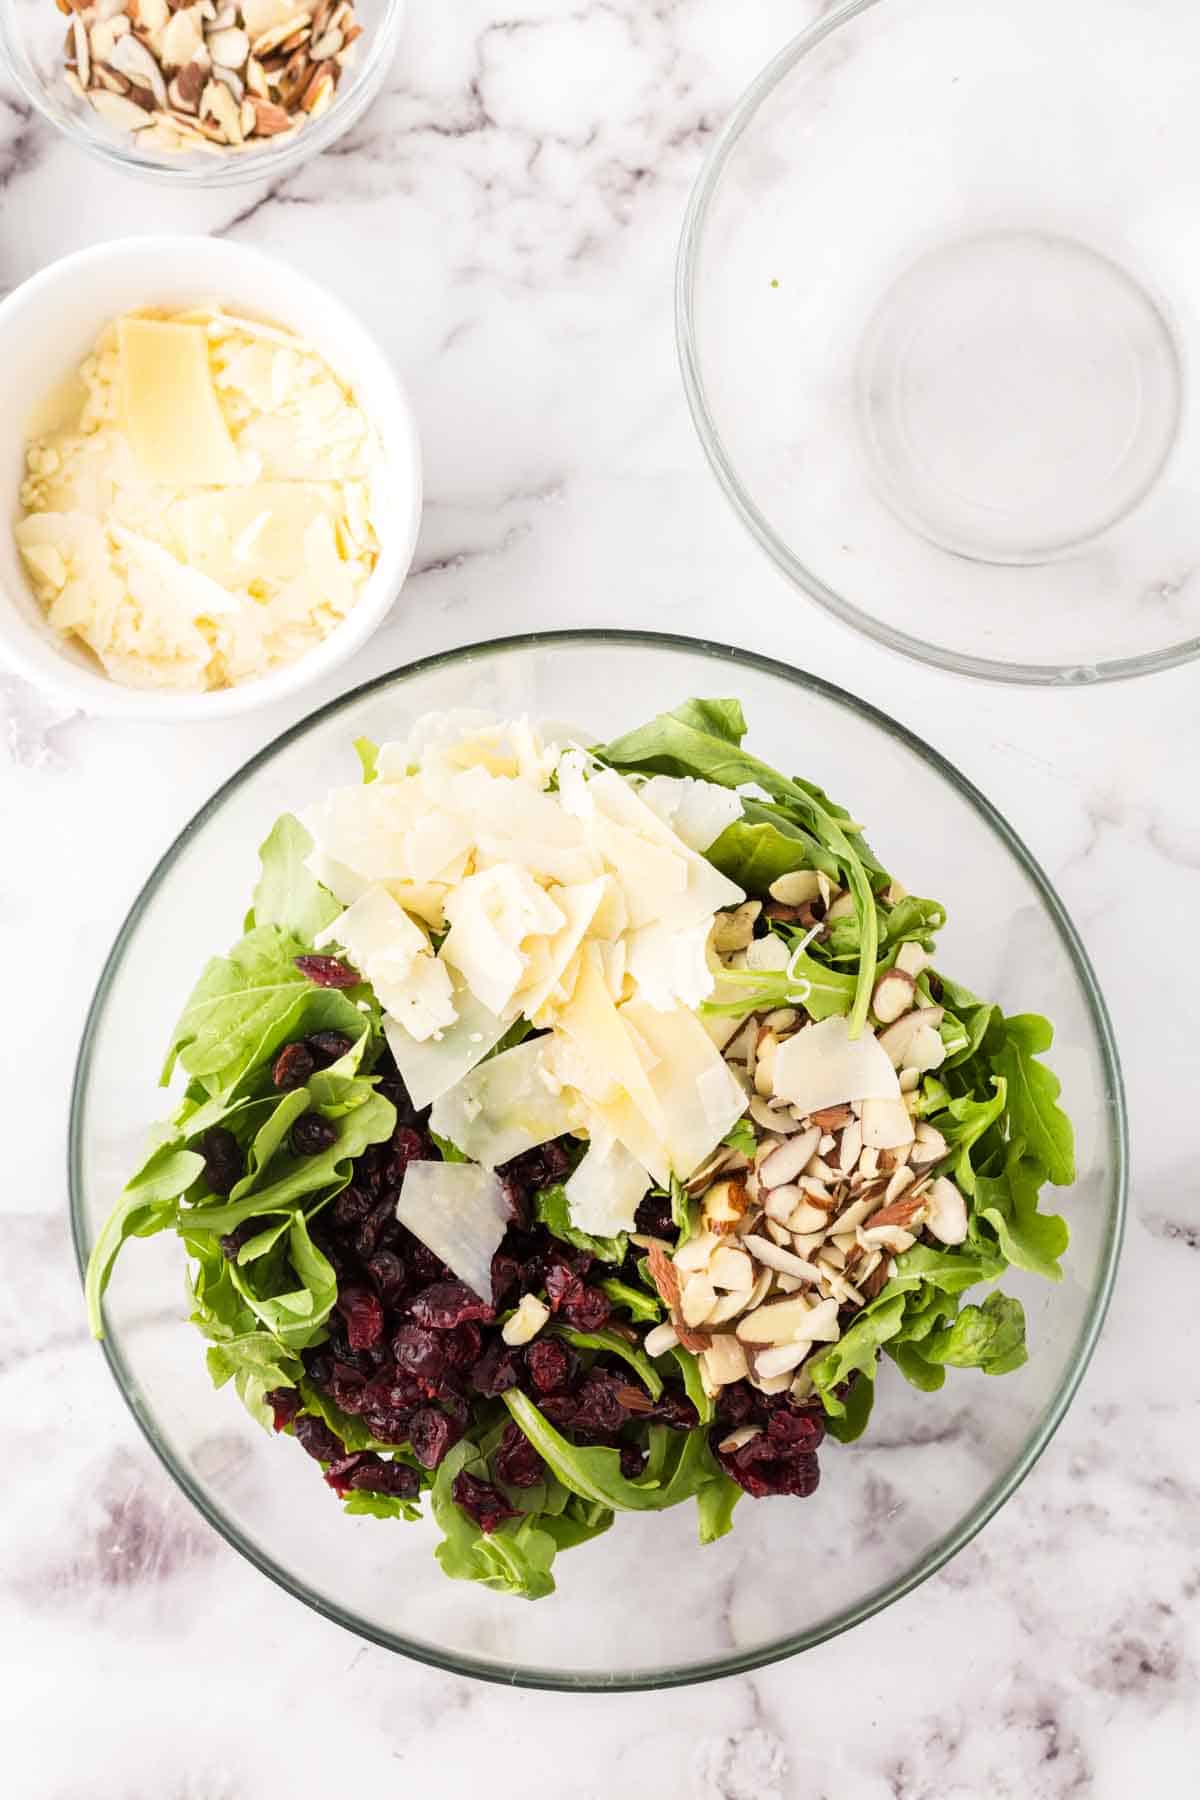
(505, 219)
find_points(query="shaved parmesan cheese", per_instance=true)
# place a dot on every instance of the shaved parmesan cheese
(458, 1211)
(505, 1106)
(375, 929)
(706, 890)
(824, 1066)
(431, 1067)
(422, 999)
(343, 883)
(671, 967)
(596, 1030)
(607, 1188)
(549, 958)
(491, 914)
(696, 811)
(698, 1097)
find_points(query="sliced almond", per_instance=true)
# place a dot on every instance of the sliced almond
(660, 1339)
(930, 1145)
(182, 38)
(822, 1323)
(789, 1160)
(925, 1050)
(731, 1269)
(775, 1119)
(318, 95)
(741, 1048)
(230, 47)
(276, 36)
(894, 994)
(851, 1146)
(886, 1237)
(777, 1232)
(725, 1311)
(806, 1219)
(697, 1299)
(764, 1251)
(781, 1203)
(694, 1255)
(912, 959)
(895, 1041)
(841, 908)
(131, 57)
(526, 1321)
(832, 1118)
(901, 1180)
(802, 1387)
(733, 930)
(104, 36)
(885, 1124)
(795, 888)
(778, 1322)
(148, 16)
(904, 1210)
(946, 1217)
(724, 1360)
(737, 1440)
(722, 1206)
(115, 110)
(781, 1358)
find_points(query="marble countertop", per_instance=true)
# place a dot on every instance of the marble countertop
(505, 220)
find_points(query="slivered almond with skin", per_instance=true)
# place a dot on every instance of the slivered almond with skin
(781, 1359)
(900, 1182)
(894, 994)
(722, 1206)
(850, 1148)
(724, 1360)
(885, 1124)
(912, 959)
(764, 1251)
(269, 119)
(946, 1218)
(895, 1041)
(665, 1279)
(781, 1203)
(832, 1118)
(737, 1440)
(775, 1119)
(694, 1255)
(661, 1339)
(806, 1219)
(795, 888)
(930, 1145)
(725, 1311)
(784, 1164)
(778, 1322)
(731, 1269)
(887, 1237)
(902, 1211)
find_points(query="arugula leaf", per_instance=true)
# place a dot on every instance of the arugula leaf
(715, 1502)
(697, 739)
(1033, 1111)
(1007, 1197)
(287, 895)
(741, 1137)
(515, 1559)
(346, 1426)
(368, 756)
(149, 1204)
(684, 1214)
(294, 1315)
(851, 1422)
(822, 991)
(689, 1368)
(857, 1350)
(380, 1506)
(990, 1337)
(643, 1309)
(908, 921)
(613, 1344)
(447, 1151)
(298, 1176)
(963, 1123)
(756, 850)
(551, 1210)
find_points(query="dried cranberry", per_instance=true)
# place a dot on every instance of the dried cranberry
(562, 1410)
(780, 1460)
(284, 1404)
(426, 1267)
(553, 1366)
(633, 1461)
(292, 1067)
(327, 1047)
(378, 1226)
(562, 1283)
(447, 1304)
(224, 1164)
(498, 1369)
(516, 1202)
(506, 1277)
(481, 1502)
(407, 1146)
(515, 1461)
(363, 1314)
(431, 1434)
(674, 1409)
(338, 1474)
(375, 1476)
(736, 1404)
(601, 1402)
(584, 1307)
(233, 1240)
(387, 1272)
(463, 1345)
(346, 1387)
(421, 1353)
(311, 1134)
(319, 1364)
(317, 1438)
(350, 1207)
(328, 971)
(653, 1217)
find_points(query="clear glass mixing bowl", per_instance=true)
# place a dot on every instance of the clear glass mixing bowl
(938, 289)
(643, 1606)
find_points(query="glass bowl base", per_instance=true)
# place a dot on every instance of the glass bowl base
(1017, 394)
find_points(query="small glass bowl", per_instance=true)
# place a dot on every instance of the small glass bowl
(32, 40)
(644, 1606)
(938, 311)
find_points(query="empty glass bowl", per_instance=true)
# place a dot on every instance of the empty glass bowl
(938, 289)
(32, 40)
(643, 1606)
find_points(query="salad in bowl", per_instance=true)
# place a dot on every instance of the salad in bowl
(573, 1129)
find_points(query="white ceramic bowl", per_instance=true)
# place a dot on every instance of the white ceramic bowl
(47, 326)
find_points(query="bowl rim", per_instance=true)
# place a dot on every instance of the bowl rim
(736, 1662)
(1016, 674)
(96, 694)
(217, 172)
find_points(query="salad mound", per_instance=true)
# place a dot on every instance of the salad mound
(572, 1131)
